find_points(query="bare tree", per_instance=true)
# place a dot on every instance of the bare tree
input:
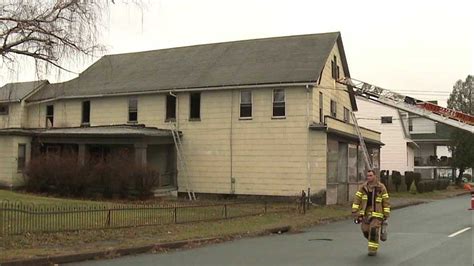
(50, 31)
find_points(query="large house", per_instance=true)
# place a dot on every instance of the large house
(257, 117)
(399, 150)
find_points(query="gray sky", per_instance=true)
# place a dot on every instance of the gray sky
(406, 46)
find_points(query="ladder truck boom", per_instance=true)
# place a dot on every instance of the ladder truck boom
(408, 104)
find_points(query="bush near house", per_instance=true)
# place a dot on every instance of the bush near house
(396, 179)
(431, 185)
(409, 177)
(114, 176)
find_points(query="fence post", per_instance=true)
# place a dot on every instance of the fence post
(175, 215)
(108, 219)
(225, 211)
(303, 201)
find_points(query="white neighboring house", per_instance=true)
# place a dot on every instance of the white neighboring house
(399, 150)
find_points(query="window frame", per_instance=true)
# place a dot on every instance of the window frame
(333, 114)
(168, 117)
(6, 109)
(274, 103)
(191, 117)
(21, 160)
(248, 105)
(83, 115)
(346, 115)
(388, 120)
(132, 110)
(49, 116)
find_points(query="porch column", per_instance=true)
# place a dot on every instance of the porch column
(81, 154)
(140, 154)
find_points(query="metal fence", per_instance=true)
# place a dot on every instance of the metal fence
(19, 218)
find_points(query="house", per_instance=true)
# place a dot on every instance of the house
(257, 117)
(399, 150)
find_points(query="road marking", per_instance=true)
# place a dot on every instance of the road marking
(459, 232)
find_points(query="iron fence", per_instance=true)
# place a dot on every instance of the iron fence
(20, 218)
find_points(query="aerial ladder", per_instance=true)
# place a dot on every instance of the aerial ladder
(408, 104)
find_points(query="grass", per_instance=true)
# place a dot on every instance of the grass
(42, 200)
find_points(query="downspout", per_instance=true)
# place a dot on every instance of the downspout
(308, 142)
(232, 180)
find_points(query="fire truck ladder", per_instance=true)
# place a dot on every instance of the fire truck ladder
(182, 160)
(362, 142)
(424, 109)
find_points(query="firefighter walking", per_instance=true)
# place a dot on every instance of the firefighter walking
(371, 208)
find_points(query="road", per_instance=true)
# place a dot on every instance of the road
(427, 234)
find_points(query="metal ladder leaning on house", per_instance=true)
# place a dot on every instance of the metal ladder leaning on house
(414, 106)
(179, 151)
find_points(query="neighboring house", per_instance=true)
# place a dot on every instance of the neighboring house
(432, 159)
(399, 149)
(257, 117)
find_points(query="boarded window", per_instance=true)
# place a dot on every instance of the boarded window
(386, 119)
(321, 105)
(279, 103)
(195, 106)
(333, 109)
(245, 104)
(133, 109)
(21, 157)
(3, 109)
(49, 116)
(346, 115)
(86, 112)
(170, 107)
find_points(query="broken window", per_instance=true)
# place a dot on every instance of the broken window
(386, 119)
(49, 116)
(170, 107)
(346, 115)
(86, 112)
(245, 104)
(21, 157)
(195, 106)
(133, 109)
(333, 109)
(3, 109)
(279, 103)
(321, 114)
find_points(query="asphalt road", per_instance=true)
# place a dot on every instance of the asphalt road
(427, 234)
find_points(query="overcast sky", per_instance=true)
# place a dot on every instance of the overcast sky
(406, 46)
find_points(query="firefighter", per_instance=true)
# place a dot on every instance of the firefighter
(371, 208)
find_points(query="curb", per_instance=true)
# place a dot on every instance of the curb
(51, 260)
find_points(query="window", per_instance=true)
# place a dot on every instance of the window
(346, 115)
(21, 157)
(3, 109)
(170, 107)
(49, 116)
(333, 109)
(386, 119)
(334, 68)
(279, 103)
(195, 106)
(410, 124)
(86, 112)
(245, 104)
(133, 109)
(321, 114)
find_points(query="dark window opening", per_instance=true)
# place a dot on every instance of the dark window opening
(346, 115)
(3, 109)
(321, 113)
(86, 112)
(386, 119)
(334, 68)
(21, 157)
(133, 109)
(279, 103)
(50, 116)
(333, 109)
(170, 108)
(410, 125)
(245, 104)
(195, 106)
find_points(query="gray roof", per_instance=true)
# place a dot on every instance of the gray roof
(13, 92)
(261, 61)
(95, 131)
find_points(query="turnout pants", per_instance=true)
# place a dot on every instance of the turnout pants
(371, 229)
